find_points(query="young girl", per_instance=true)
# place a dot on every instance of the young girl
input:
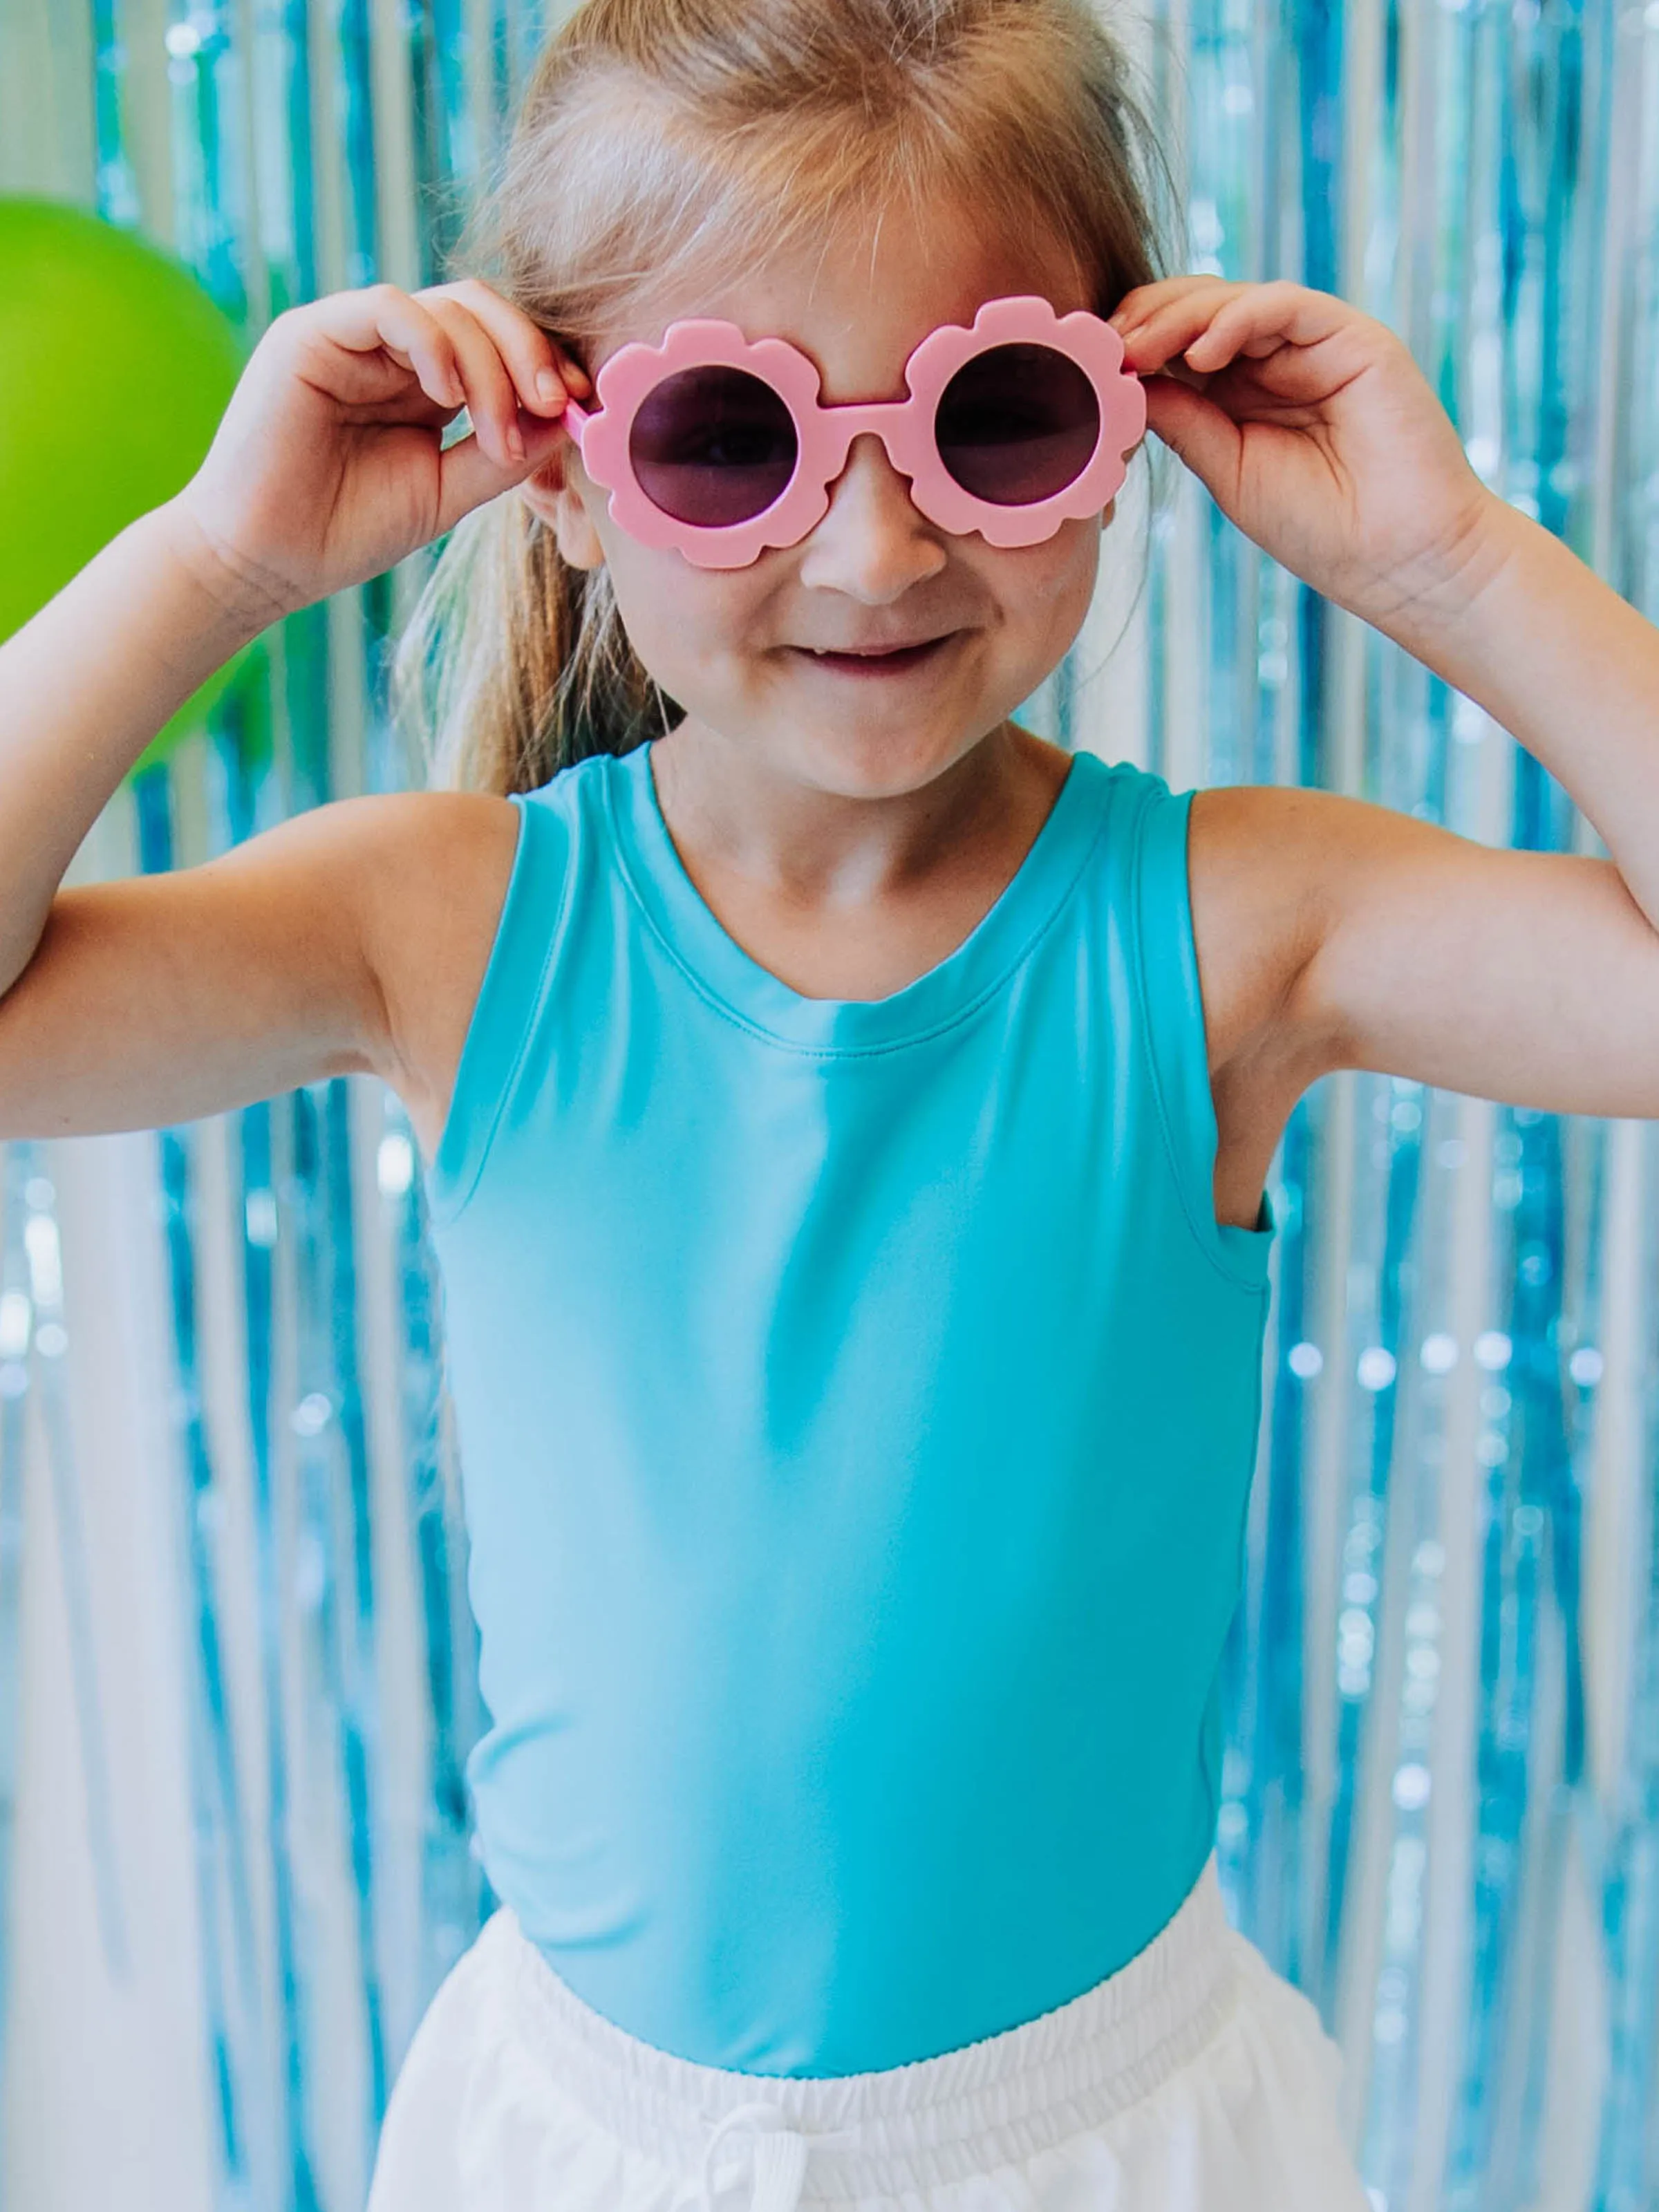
(847, 1116)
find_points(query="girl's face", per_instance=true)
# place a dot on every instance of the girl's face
(735, 646)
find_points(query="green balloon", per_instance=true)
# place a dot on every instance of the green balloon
(115, 368)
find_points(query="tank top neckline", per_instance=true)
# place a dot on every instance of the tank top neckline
(751, 995)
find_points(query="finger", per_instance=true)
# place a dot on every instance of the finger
(1175, 323)
(468, 473)
(1256, 314)
(379, 316)
(1259, 318)
(492, 399)
(1139, 306)
(1202, 434)
(542, 371)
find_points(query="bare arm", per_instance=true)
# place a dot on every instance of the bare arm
(83, 689)
(1532, 977)
(134, 1005)
(348, 939)
(160, 998)
(1528, 977)
(1570, 670)
(300, 954)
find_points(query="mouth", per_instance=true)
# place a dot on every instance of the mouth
(878, 661)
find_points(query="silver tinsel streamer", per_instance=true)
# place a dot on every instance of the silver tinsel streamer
(1441, 1792)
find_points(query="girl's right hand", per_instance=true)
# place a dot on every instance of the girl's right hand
(329, 464)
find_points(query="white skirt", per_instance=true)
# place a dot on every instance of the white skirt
(1193, 2079)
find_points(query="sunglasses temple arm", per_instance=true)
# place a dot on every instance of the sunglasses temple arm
(576, 419)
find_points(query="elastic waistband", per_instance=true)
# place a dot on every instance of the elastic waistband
(937, 2120)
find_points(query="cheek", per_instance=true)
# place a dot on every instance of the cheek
(678, 617)
(1042, 585)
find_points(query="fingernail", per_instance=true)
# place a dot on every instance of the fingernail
(548, 387)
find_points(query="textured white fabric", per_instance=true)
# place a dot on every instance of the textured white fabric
(1194, 2080)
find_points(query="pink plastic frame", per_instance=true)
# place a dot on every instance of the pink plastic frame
(823, 434)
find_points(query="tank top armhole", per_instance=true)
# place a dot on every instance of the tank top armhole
(1172, 1010)
(503, 1013)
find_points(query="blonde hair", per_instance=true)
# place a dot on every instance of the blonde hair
(662, 138)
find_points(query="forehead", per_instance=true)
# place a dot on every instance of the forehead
(860, 299)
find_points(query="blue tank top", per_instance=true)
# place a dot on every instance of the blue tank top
(857, 1405)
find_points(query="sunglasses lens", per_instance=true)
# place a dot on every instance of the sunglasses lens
(1018, 423)
(712, 447)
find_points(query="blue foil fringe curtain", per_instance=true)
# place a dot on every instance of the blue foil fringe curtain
(1441, 1789)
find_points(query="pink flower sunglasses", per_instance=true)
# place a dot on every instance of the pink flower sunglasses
(718, 444)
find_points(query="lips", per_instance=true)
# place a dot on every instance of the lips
(872, 651)
(874, 663)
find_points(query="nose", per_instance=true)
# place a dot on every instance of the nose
(874, 543)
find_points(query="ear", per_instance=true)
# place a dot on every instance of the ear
(549, 493)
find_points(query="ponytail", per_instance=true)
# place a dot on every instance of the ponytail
(513, 665)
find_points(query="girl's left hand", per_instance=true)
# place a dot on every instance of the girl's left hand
(1316, 433)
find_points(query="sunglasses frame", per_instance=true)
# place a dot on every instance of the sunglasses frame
(823, 434)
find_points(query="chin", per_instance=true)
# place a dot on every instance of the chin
(875, 763)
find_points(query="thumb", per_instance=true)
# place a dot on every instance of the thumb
(1200, 434)
(467, 476)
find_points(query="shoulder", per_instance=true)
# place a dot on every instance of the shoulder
(1265, 864)
(433, 872)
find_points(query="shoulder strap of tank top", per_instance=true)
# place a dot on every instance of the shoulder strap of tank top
(1172, 1006)
(527, 935)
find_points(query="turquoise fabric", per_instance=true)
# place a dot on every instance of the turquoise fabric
(857, 1404)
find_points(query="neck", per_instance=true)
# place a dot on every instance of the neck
(773, 824)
